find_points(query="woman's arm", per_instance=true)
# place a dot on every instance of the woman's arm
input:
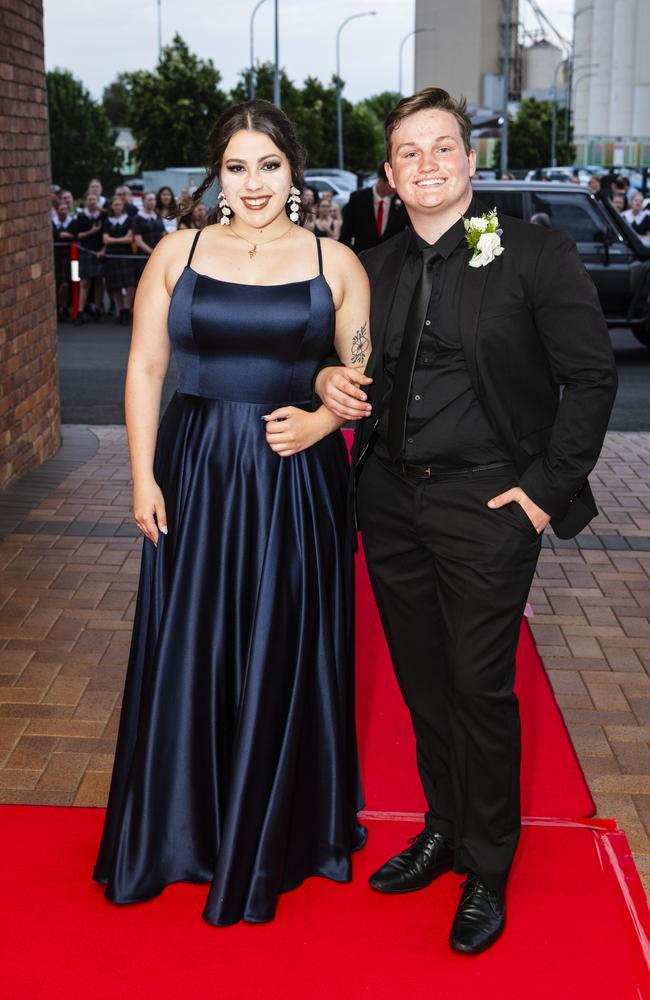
(147, 367)
(127, 238)
(289, 429)
(352, 334)
(83, 234)
(140, 243)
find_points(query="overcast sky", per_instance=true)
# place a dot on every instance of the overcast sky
(96, 41)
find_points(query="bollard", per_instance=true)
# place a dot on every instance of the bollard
(74, 276)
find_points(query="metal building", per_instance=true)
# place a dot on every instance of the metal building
(611, 79)
(465, 52)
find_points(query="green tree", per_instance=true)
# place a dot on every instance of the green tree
(529, 137)
(363, 137)
(264, 77)
(174, 107)
(304, 106)
(116, 101)
(312, 109)
(82, 139)
(382, 104)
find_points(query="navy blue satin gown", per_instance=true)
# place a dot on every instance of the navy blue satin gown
(236, 761)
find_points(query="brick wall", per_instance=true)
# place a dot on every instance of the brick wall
(29, 396)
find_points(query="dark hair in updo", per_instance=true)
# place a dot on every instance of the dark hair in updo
(252, 116)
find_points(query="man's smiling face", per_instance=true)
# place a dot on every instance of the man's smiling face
(429, 167)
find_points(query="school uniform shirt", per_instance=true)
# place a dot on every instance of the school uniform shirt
(150, 227)
(84, 222)
(67, 225)
(117, 227)
(640, 223)
(171, 225)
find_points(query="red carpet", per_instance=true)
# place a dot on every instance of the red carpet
(551, 777)
(552, 780)
(574, 928)
(578, 919)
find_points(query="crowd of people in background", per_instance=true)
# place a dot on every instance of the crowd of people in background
(116, 235)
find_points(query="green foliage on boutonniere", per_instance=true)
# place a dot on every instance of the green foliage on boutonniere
(483, 237)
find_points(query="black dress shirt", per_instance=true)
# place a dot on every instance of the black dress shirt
(446, 426)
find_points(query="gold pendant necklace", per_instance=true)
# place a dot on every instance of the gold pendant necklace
(252, 252)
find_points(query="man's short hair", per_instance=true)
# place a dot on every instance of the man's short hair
(430, 99)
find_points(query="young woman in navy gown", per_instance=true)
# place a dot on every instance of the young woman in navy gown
(236, 760)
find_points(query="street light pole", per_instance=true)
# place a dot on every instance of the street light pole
(554, 119)
(339, 102)
(585, 76)
(277, 99)
(416, 31)
(253, 84)
(506, 87)
(159, 29)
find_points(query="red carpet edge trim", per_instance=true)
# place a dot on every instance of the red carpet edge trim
(617, 849)
(600, 825)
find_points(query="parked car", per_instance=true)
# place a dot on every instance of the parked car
(344, 175)
(617, 259)
(564, 174)
(340, 186)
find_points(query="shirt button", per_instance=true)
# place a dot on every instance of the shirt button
(427, 322)
(410, 440)
(418, 398)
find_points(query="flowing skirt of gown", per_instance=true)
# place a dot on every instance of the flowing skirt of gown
(236, 760)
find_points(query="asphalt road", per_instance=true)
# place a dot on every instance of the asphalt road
(92, 363)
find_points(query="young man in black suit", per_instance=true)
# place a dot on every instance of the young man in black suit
(373, 215)
(491, 381)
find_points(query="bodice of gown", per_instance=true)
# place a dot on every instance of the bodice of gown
(249, 343)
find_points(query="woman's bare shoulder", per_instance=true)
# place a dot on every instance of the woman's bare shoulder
(338, 254)
(176, 243)
(342, 261)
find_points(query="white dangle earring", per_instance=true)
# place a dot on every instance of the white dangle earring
(225, 209)
(293, 202)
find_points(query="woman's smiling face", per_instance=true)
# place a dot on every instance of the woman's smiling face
(255, 178)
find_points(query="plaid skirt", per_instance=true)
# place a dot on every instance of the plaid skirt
(61, 263)
(90, 266)
(119, 272)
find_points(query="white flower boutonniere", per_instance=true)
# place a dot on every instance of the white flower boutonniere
(483, 237)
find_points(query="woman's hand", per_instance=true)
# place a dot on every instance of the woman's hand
(147, 501)
(290, 429)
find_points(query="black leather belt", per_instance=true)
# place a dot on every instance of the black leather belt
(426, 472)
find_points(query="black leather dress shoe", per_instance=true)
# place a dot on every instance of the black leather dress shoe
(480, 918)
(416, 867)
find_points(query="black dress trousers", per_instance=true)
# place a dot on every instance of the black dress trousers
(451, 577)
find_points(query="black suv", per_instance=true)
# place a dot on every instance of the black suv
(616, 257)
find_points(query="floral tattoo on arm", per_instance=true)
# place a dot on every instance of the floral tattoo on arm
(360, 345)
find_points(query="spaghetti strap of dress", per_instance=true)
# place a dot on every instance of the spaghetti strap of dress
(320, 256)
(193, 248)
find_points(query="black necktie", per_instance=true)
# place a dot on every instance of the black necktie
(408, 353)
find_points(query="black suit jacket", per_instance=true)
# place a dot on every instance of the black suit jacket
(539, 357)
(359, 229)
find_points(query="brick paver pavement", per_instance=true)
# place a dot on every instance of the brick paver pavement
(68, 578)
